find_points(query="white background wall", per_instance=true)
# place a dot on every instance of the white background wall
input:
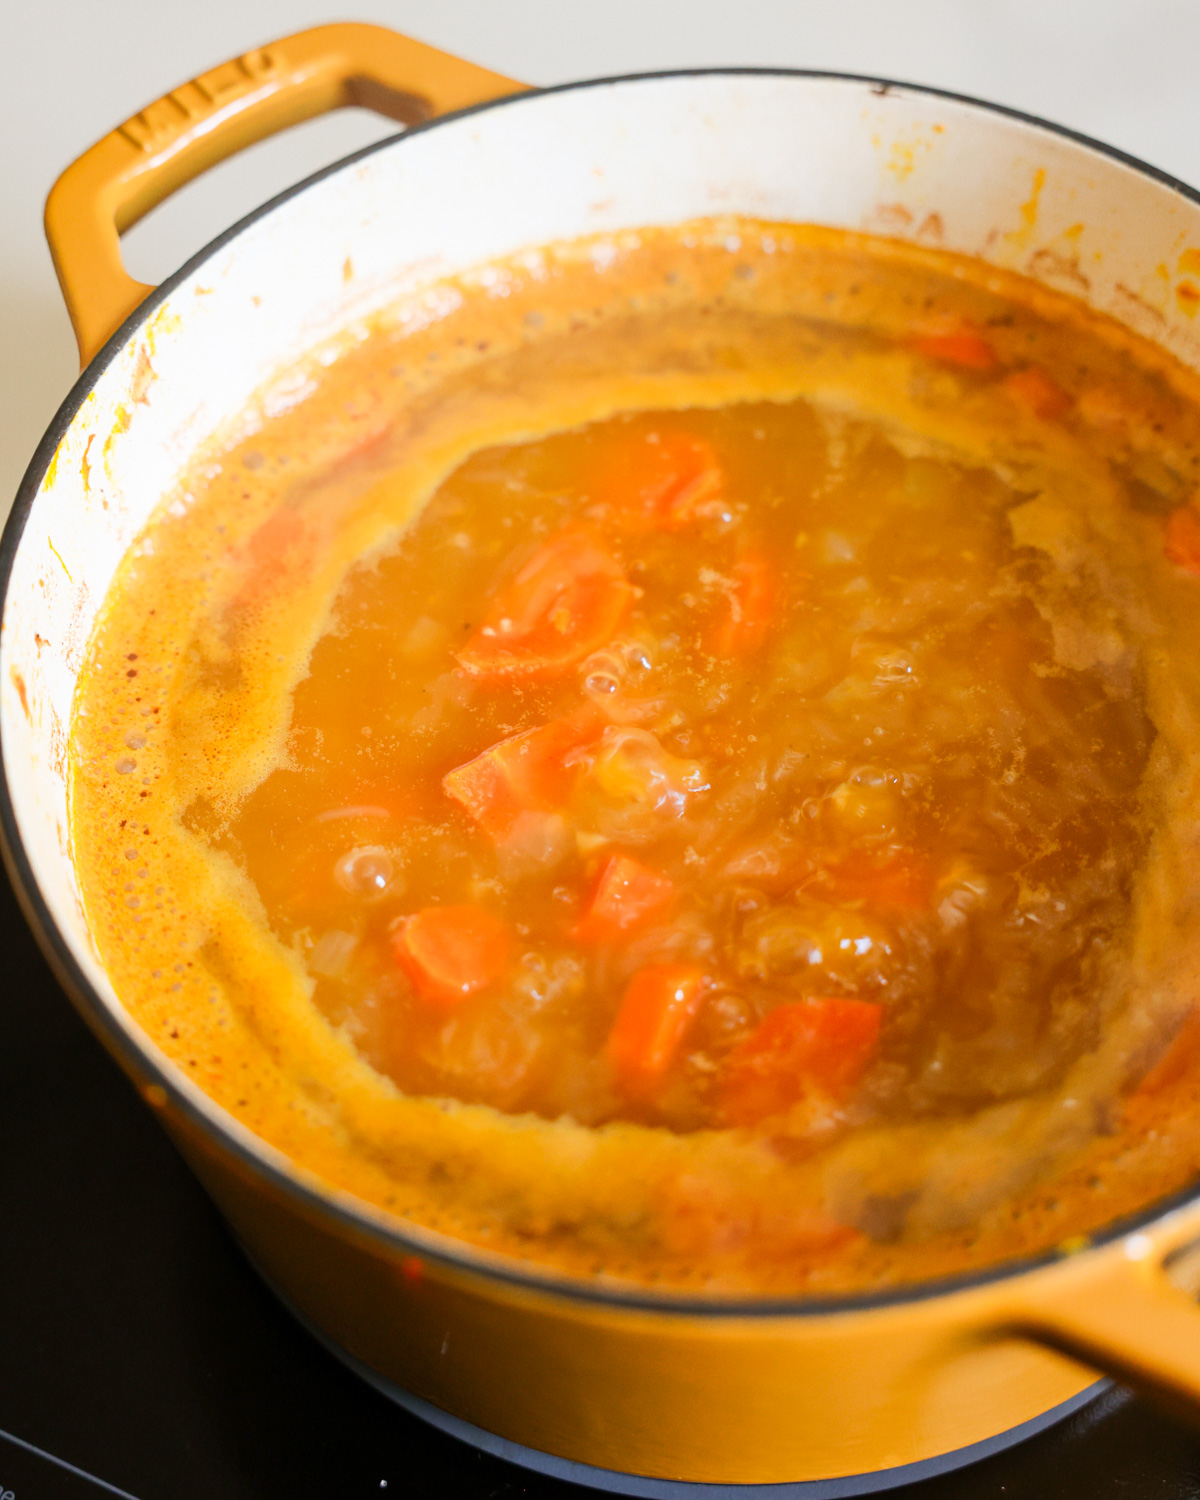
(1126, 71)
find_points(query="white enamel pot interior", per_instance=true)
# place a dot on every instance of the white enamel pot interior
(583, 160)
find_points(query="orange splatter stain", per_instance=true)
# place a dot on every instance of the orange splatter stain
(1029, 209)
(143, 378)
(903, 160)
(1047, 263)
(19, 683)
(1189, 261)
(120, 424)
(163, 324)
(61, 564)
(1187, 296)
(1135, 299)
(895, 214)
(904, 154)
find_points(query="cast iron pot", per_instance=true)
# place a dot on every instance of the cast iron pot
(624, 1388)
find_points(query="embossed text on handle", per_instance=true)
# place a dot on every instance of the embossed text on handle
(167, 118)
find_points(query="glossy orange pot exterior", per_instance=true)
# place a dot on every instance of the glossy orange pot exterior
(729, 1396)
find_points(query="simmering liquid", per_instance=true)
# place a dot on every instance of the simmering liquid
(680, 772)
(824, 753)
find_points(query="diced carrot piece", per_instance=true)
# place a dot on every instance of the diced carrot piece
(1181, 540)
(523, 773)
(749, 608)
(1034, 391)
(450, 952)
(660, 480)
(492, 786)
(820, 1045)
(1178, 1059)
(656, 1011)
(626, 896)
(970, 351)
(566, 601)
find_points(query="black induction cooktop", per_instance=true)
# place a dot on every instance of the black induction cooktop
(140, 1354)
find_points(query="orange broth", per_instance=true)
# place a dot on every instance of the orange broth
(680, 771)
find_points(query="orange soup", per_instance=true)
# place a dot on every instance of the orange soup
(674, 758)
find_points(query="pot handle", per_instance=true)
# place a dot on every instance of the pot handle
(121, 178)
(1128, 1309)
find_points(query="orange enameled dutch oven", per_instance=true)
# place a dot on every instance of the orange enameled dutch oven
(626, 1388)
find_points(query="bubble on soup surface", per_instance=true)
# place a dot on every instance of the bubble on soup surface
(603, 675)
(882, 663)
(869, 804)
(847, 946)
(542, 981)
(631, 766)
(613, 670)
(366, 871)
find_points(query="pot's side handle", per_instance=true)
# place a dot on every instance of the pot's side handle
(143, 161)
(1121, 1310)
